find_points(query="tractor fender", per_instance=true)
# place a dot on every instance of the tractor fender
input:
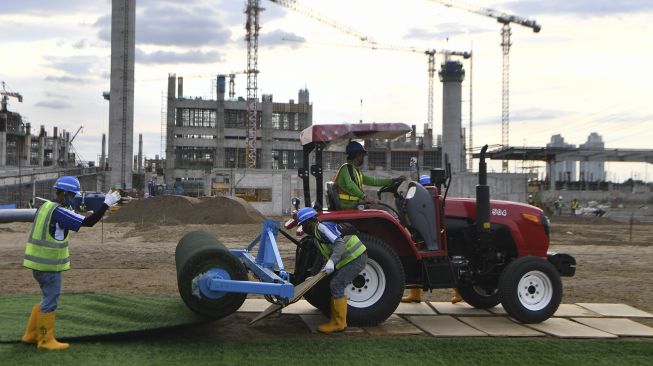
(378, 223)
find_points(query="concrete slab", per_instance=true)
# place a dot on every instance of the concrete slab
(444, 326)
(300, 307)
(394, 325)
(564, 328)
(573, 310)
(499, 326)
(619, 326)
(313, 320)
(461, 308)
(616, 310)
(421, 308)
(253, 306)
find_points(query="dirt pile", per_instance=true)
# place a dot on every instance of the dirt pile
(181, 210)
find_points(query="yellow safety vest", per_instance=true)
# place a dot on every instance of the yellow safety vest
(354, 248)
(358, 179)
(43, 252)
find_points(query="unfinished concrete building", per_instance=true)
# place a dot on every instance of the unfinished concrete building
(202, 134)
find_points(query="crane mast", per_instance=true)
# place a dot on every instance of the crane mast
(252, 28)
(505, 20)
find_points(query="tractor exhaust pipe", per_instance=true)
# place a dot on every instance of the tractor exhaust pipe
(482, 198)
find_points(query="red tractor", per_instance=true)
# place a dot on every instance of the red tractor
(494, 252)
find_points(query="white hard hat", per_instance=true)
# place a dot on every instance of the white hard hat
(559, 197)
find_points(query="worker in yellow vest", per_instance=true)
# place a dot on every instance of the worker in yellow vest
(46, 254)
(346, 255)
(350, 179)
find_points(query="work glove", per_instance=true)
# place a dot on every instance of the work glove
(111, 198)
(329, 267)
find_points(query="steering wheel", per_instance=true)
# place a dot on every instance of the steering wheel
(390, 188)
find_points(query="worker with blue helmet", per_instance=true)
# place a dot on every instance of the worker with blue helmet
(46, 254)
(350, 180)
(346, 255)
(425, 180)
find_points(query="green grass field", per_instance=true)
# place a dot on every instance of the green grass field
(167, 349)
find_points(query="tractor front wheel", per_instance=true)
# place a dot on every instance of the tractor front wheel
(530, 289)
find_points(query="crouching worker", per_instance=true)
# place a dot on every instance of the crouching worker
(46, 254)
(346, 256)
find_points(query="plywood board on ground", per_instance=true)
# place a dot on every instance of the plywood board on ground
(444, 326)
(499, 326)
(394, 325)
(564, 328)
(616, 310)
(573, 310)
(254, 306)
(619, 326)
(461, 308)
(312, 321)
(421, 308)
(300, 307)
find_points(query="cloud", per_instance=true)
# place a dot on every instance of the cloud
(524, 115)
(75, 65)
(582, 8)
(276, 38)
(82, 44)
(47, 8)
(168, 57)
(65, 79)
(55, 95)
(54, 104)
(171, 24)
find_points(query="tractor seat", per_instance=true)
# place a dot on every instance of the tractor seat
(333, 201)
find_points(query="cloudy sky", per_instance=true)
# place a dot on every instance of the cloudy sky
(588, 70)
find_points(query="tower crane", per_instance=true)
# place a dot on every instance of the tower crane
(6, 94)
(504, 19)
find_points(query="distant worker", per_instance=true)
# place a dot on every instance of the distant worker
(350, 180)
(46, 254)
(345, 254)
(531, 201)
(574, 207)
(415, 294)
(558, 204)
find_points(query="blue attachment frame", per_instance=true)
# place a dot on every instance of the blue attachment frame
(216, 282)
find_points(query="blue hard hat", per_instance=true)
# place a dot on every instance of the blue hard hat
(354, 147)
(304, 214)
(424, 179)
(68, 183)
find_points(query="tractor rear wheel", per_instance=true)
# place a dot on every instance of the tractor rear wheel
(479, 297)
(530, 289)
(374, 294)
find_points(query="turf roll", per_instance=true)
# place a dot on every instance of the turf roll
(196, 253)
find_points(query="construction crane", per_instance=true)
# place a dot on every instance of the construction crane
(251, 26)
(430, 53)
(6, 94)
(504, 19)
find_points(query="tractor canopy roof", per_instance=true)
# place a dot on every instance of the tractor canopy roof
(342, 132)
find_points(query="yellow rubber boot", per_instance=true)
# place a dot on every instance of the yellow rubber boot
(46, 333)
(456, 297)
(338, 321)
(31, 335)
(415, 295)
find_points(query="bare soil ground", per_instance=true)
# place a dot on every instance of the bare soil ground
(615, 261)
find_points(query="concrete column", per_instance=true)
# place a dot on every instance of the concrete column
(139, 165)
(55, 147)
(121, 104)
(552, 175)
(452, 75)
(42, 147)
(103, 156)
(171, 115)
(27, 148)
(266, 133)
(3, 148)
(219, 160)
(388, 158)
(66, 148)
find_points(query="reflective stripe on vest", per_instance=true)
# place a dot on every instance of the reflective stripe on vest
(43, 252)
(357, 178)
(354, 248)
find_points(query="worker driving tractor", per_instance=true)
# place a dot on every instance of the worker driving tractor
(350, 179)
(345, 254)
(46, 254)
